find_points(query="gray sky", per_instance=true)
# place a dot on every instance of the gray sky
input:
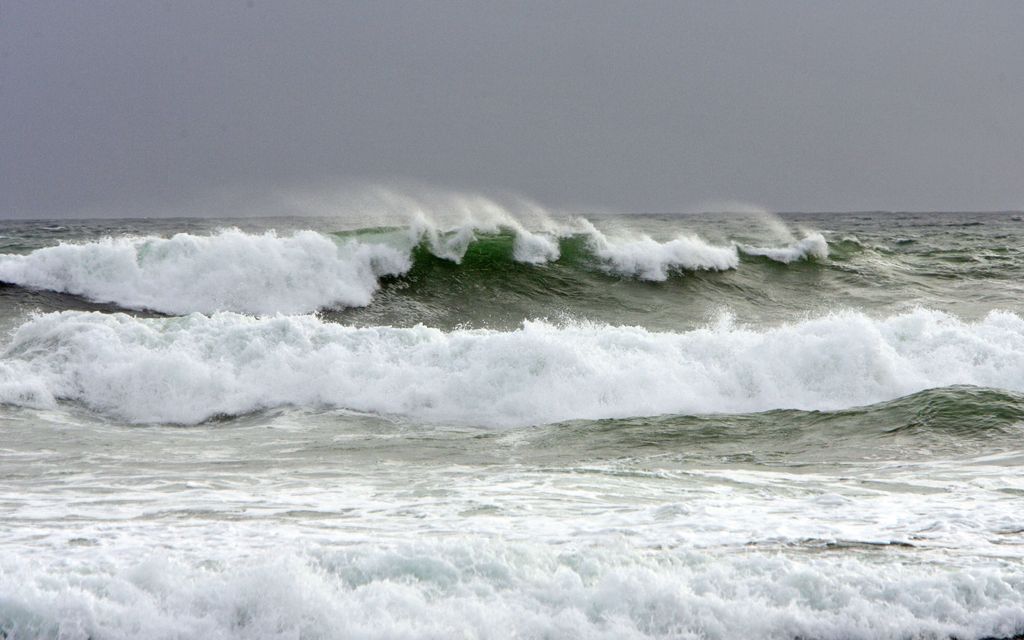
(138, 106)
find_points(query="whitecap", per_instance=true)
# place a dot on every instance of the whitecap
(186, 370)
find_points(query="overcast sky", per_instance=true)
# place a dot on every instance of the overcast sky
(139, 106)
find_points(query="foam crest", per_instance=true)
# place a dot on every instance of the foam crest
(451, 244)
(186, 370)
(471, 589)
(230, 270)
(449, 221)
(535, 248)
(813, 245)
(643, 257)
(305, 271)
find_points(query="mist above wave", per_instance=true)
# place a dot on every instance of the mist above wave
(186, 370)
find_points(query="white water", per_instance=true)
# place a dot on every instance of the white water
(314, 521)
(246, 273)
(474, 589)
(307, 271)
(319, 526)
(230, 270)
(648, 259)
(189, 369)
(813, 245)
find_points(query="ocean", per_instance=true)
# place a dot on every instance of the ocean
(485, 425)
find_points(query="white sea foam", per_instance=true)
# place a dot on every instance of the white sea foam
(813, 245)
(306, 271)
(448, 222)
(230, 270)
(472, 589)
(451, 243)
(188, 369)
(648, 259)
(643, 257)
(535, 248)
(249, 273)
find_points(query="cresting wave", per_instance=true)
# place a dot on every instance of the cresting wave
(231, 270)
(468, 588)
(301, 273)
(813, 245)
(187, 370)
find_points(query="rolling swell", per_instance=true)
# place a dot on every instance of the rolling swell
(956, 419)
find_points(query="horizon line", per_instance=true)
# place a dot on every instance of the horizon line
(573, 213)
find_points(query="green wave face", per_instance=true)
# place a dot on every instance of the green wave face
(959, 421)
(868, 267)
(489, 288)
(965, 264)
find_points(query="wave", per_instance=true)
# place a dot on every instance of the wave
(451, 244)
(813, 245)
(470, 588)
(961, 418)
(190, 369)
(648, 259)
(230, 270)
(300, 273)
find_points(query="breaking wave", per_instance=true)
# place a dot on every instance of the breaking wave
(647, 259)
(467, 588)
(231, 271)
(189, 369)
(306, 271)
(813, 245)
